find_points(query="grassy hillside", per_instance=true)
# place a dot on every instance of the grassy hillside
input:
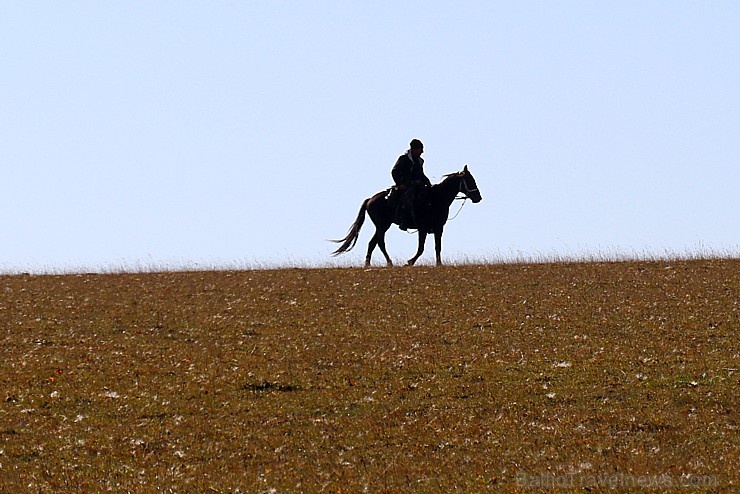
(513, 378)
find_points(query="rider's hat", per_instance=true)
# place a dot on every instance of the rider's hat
(416, 144)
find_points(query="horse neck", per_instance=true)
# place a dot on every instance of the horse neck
(448, 189)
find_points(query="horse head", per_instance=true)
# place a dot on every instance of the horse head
(468, 185)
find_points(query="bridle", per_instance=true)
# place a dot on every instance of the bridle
(464, 189)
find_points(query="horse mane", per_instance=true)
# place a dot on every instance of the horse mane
(447, 176)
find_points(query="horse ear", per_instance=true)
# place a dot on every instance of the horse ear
(465, 169)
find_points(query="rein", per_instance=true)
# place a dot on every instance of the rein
(463, 199)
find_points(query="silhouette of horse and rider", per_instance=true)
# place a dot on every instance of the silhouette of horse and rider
(412, 203)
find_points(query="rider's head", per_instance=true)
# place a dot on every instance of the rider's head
(416, 147)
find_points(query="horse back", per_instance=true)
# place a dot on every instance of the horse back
(380, 199)
(381, 206)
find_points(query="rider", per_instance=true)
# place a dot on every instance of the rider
(408, 173)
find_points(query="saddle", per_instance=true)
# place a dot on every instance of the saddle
(407, 207)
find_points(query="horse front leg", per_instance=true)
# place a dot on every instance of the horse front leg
(438, 246)
(420, 249)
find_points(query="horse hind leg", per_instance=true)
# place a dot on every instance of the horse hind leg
(370, 248)
(381, 243)
(377, 240)
(378, 210)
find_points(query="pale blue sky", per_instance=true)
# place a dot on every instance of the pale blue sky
(207, 133)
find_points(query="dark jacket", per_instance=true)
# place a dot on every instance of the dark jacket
(406, 171)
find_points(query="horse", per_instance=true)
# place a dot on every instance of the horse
(430, 216)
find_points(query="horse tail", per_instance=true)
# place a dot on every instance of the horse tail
(354, 232)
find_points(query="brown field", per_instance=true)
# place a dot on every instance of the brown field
(583, 377)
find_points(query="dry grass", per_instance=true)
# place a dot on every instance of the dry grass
(581, 376)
